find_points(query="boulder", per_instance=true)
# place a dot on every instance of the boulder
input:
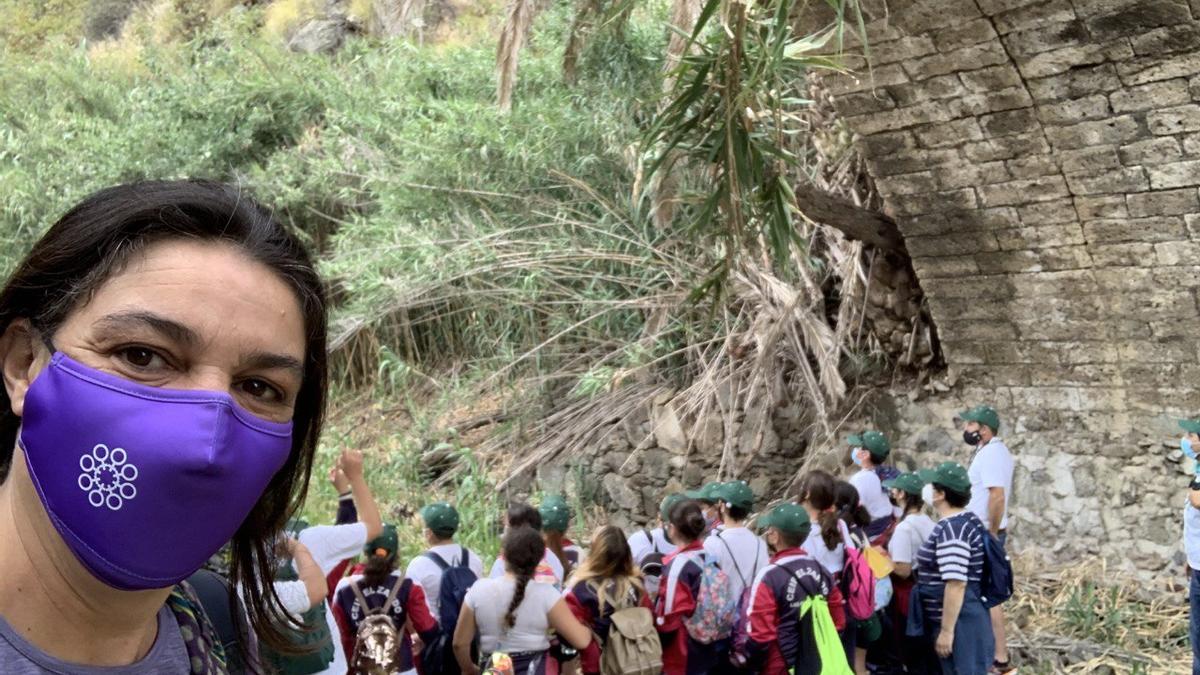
(319, 36)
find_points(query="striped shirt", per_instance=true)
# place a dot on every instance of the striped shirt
(953, 552)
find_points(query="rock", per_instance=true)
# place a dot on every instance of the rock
(621, 493)
(319, 36)
(668, 432)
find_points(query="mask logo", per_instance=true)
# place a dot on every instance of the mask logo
(107, 477)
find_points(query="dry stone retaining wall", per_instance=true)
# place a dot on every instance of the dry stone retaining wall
(1042, 160)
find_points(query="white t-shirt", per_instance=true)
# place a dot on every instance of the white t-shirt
(749, 555)
(641, 545)
(489, 600)
(556, 566)
(832, 560)
(991, 467)
(1191, 534)
(906, 540)
(426, 572)
(331, 544)
(870, 494)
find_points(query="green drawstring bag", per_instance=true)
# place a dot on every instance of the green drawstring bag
(815, 613)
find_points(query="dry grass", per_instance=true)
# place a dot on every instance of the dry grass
(518, 19)
(1084, 618)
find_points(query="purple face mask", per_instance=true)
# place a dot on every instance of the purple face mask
(144, 484)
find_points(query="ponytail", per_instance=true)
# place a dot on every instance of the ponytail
(829, 529)
(523, 550)
(510, 617)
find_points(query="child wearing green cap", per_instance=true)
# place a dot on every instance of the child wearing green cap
(913, 528)
(441, 524)
(378, 586)
(651, 546)
(738, 551)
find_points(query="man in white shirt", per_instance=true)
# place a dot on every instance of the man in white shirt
(441, 523)
(1191, 546)
(869, 450)
(329, 545)
(991, 474)
(739, 552)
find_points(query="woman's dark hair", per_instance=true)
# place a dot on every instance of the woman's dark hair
(849, 505)
(554, 542)
(523, 550)
(523, 515)
(818, 490)
(94, 240)
(912, 504)
(737, 512)
(956, 499)
(377, 569)
(688, 520)
(792, 539)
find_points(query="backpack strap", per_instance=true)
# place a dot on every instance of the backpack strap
(464, 557)
(438, 560)
(651, 540)
(360, 599)
(733, 557)
(205, 652)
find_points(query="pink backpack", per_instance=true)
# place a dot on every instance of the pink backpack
(858, 581)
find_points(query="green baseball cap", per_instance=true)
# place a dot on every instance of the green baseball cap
(949, 474)
(556, 514)
(440, 517)
(708, 493)
(736, 493)
(984, 414)
(906, 482)
(789, 518)
(387, 541)
(669, 502)
(873, 441)
(1191, 426)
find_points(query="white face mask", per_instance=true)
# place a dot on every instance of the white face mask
(927, 493)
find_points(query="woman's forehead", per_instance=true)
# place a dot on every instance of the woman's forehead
(208, 293)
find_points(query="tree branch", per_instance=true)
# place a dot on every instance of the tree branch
(856, 222)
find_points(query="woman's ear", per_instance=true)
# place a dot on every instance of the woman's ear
(17, 354)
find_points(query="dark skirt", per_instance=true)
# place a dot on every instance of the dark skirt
(974, 645)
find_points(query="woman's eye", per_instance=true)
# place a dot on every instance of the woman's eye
(141, 357)
(261, 390)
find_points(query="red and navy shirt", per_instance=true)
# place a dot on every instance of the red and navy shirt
(778, 639)
(585, 605)
(681, 577)
(409, 610)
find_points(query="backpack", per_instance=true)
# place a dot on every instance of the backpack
(882, 567)
(314, 645)
(228, 617)
(716, 605)
(858, 581)
(437, 657)
(829, 648)
(652, 566)
(740, 630)
(377, 641)
(997, 582)
(633, 646)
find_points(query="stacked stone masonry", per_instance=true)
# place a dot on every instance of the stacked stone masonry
(1042, 159)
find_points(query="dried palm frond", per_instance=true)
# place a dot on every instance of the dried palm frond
(517, 20)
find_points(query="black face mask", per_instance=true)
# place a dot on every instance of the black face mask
(971, 438)
(893, 501)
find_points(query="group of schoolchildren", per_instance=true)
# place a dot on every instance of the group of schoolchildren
(854, 577)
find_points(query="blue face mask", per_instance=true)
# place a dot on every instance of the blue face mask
(1185, 444)
(854, 456)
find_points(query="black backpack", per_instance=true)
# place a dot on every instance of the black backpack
(229, 620)
(437, 657)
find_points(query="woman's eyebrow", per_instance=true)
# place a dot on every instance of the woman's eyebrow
(168, 328)
(270, 361)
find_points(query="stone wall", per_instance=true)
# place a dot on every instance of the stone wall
(1042, 159)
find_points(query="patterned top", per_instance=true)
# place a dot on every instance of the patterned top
(953, 552)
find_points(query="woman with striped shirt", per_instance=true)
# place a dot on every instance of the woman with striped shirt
(947, 607)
